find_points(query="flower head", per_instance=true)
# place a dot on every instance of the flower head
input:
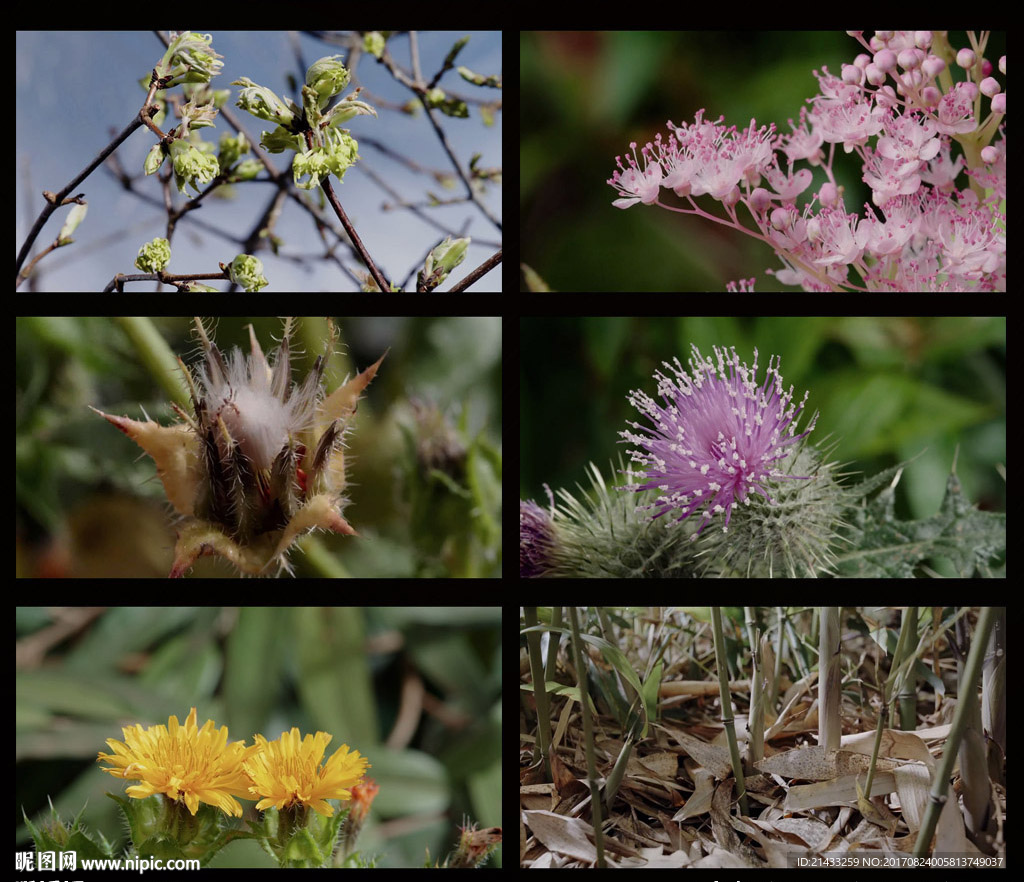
(716, 439)
(536, 539)
(185, 763)
(636, 185)
(287, 772)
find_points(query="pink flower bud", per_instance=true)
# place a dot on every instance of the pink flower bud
(885, 60)
(909, 59)
(852, 74)
(990, 86)
(989, 154)
(966, 58)
(760, 199)
(874, 74)
(933, 66)
(828, 195)
(999, 103)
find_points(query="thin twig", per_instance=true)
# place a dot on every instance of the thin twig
(117, 283)
(54, 200)
(479, 272)
(378, 277)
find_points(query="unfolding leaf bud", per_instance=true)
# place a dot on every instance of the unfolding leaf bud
(74, 218)
(154, 159)
(263, 102)
(373, 42)
(327, 77)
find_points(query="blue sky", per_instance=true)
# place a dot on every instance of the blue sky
(76, 89)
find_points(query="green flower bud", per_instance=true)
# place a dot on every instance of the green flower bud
(280, 140)
(192, 166)
(327, 77)
(247, 271)
(246, 170)
(74, 218)
(341, 149)
(435, 97)
(264, 103)
(336, 155)
(231, 149)
(154, 256)
(196, 286)
(312, 163)
(373, 42)
(154, 159)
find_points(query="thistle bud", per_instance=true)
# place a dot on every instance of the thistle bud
(259, 461)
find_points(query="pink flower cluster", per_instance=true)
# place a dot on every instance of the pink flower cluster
(898, 108)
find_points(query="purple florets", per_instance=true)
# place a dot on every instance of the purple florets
(717, 437)
(536, 539)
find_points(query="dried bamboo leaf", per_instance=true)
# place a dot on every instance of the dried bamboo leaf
(700, 802)
(715, 759)
(818, 764)
(838, 791)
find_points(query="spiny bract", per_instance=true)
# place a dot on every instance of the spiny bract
(260, 460)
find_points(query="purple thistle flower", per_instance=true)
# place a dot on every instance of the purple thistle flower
(716, 439)
(536, 539)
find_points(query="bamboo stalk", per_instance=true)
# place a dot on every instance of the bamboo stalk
(968, 697)
(829, 722)
(588, 736)
(907, 696)
(727, 714)
(540, 690)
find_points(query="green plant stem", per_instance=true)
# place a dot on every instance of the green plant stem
(968, 699)
(727, 716)
(157, 356)
(588, 736)
(540, 692)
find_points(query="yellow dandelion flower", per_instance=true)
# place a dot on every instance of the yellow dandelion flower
(185, 763)
(287, 772)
